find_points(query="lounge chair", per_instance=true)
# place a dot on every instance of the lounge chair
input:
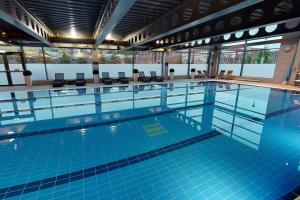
(200, 74)
(229, 74)
(122, 78)
(80, 81)
(105, 78)
(154, 77)
(143, 78)
(297, 79)
(221, 74)
(59, 80)
(207, 75)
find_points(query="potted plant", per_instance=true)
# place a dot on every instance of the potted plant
(135, 75)
(96, 76)
(193, 70)
(27, 74)
(172, 73)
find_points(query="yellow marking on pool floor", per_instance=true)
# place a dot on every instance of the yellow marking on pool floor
(154, 129)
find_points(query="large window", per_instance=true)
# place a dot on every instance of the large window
(69, 61)
(231, 59)
(68, 56)
(199, 59)
(260, 60)
(178, 57)
(148, 61)
(114, 57)
(33, 55)
(6, 48)
(178, 60)
(35, 62)
(147, 57)
(114, 61)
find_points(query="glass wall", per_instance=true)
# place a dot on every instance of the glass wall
(199, 59)
(3, 77)
(147, 61)
(257, 58)
(231, 59)
(178, 60)
(69, 61)
(260, 60)
(114, 61)
(35, 62)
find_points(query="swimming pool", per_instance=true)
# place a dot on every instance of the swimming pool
(166, 141)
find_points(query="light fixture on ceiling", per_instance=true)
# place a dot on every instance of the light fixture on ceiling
(108, 37)
(73, 32)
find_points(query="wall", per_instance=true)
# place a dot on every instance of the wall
(259, 70)
(38, 71)
(149, 67)
(113, 69)
(180, 69)
(235, 67)
(284, 60)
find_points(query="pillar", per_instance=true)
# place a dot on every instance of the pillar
(213, 64)
(288, 61)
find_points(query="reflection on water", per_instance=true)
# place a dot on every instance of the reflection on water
(234, 110)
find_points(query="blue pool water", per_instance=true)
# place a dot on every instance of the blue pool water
(166, 141)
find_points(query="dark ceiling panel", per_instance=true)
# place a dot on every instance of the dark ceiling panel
(61, 15)
(142, 14)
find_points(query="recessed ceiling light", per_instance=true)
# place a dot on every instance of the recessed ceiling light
(73, 32)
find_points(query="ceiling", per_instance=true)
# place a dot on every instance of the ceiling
(142, 13)
(148, 24)
(62, 15)
(82, 15)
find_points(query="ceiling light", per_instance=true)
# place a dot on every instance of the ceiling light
(73, 32)
(108, 37)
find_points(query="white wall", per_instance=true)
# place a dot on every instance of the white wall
(37, 70)
(259, 70)
(149, 67)
(235, 67)
(113, 69)
(70, 70)
(180, 69)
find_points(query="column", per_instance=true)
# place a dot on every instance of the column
(213, 65)
(288, 61)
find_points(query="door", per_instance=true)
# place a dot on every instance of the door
(11, 69)
(3, 73)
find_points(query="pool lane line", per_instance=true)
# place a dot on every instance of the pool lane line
(115, 101)
(72, 128)
(100, 169)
